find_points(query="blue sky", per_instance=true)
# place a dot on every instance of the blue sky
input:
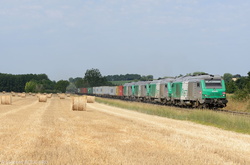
(150, 37)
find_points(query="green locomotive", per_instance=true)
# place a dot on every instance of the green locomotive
(204, 91)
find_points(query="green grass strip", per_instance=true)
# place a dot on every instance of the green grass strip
(229, 122)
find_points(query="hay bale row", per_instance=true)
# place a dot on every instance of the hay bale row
(79, 103)
(23, 95)
(90, 99)
(6, 100)
(42, 98)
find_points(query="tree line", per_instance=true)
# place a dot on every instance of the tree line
(31, 83)
(239, 85)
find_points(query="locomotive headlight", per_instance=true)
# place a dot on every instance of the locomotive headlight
(205, 95)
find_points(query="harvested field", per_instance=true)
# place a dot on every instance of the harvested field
(51, 133)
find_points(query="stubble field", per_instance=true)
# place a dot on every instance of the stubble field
(33, 132)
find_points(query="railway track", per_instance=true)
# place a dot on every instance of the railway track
(182, 108)
(233, 112)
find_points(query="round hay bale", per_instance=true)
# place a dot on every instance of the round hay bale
(68, 95)
(49, 95)
(90, 99)
(42, 98)
(13, 94)
(79, 103)
(4, 92)
(62, 96)
(23, 95)
(6, 100)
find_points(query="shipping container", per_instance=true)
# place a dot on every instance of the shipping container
(90, 90)
(104, 90)
(98, 90)
(112, 91)
(81, 90)
(94, 90)
(85, 90)
(119, 90)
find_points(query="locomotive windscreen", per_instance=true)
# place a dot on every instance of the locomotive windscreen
(213, 83)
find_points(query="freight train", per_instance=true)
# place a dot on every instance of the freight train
(202, 91)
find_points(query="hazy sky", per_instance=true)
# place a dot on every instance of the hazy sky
(63, 38)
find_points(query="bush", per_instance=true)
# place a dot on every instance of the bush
(241, 95)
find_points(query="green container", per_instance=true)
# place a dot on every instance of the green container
(90, 90)
(125, 90)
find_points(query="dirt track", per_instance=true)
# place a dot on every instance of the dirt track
(51, 133)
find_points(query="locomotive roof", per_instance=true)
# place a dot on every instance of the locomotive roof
(155, 81)
(128, 84)
(142, 82)
(184, 78)
(166, 80)
(162, 81)
(197, 78)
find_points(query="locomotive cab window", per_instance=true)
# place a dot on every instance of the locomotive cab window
(213, 83)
